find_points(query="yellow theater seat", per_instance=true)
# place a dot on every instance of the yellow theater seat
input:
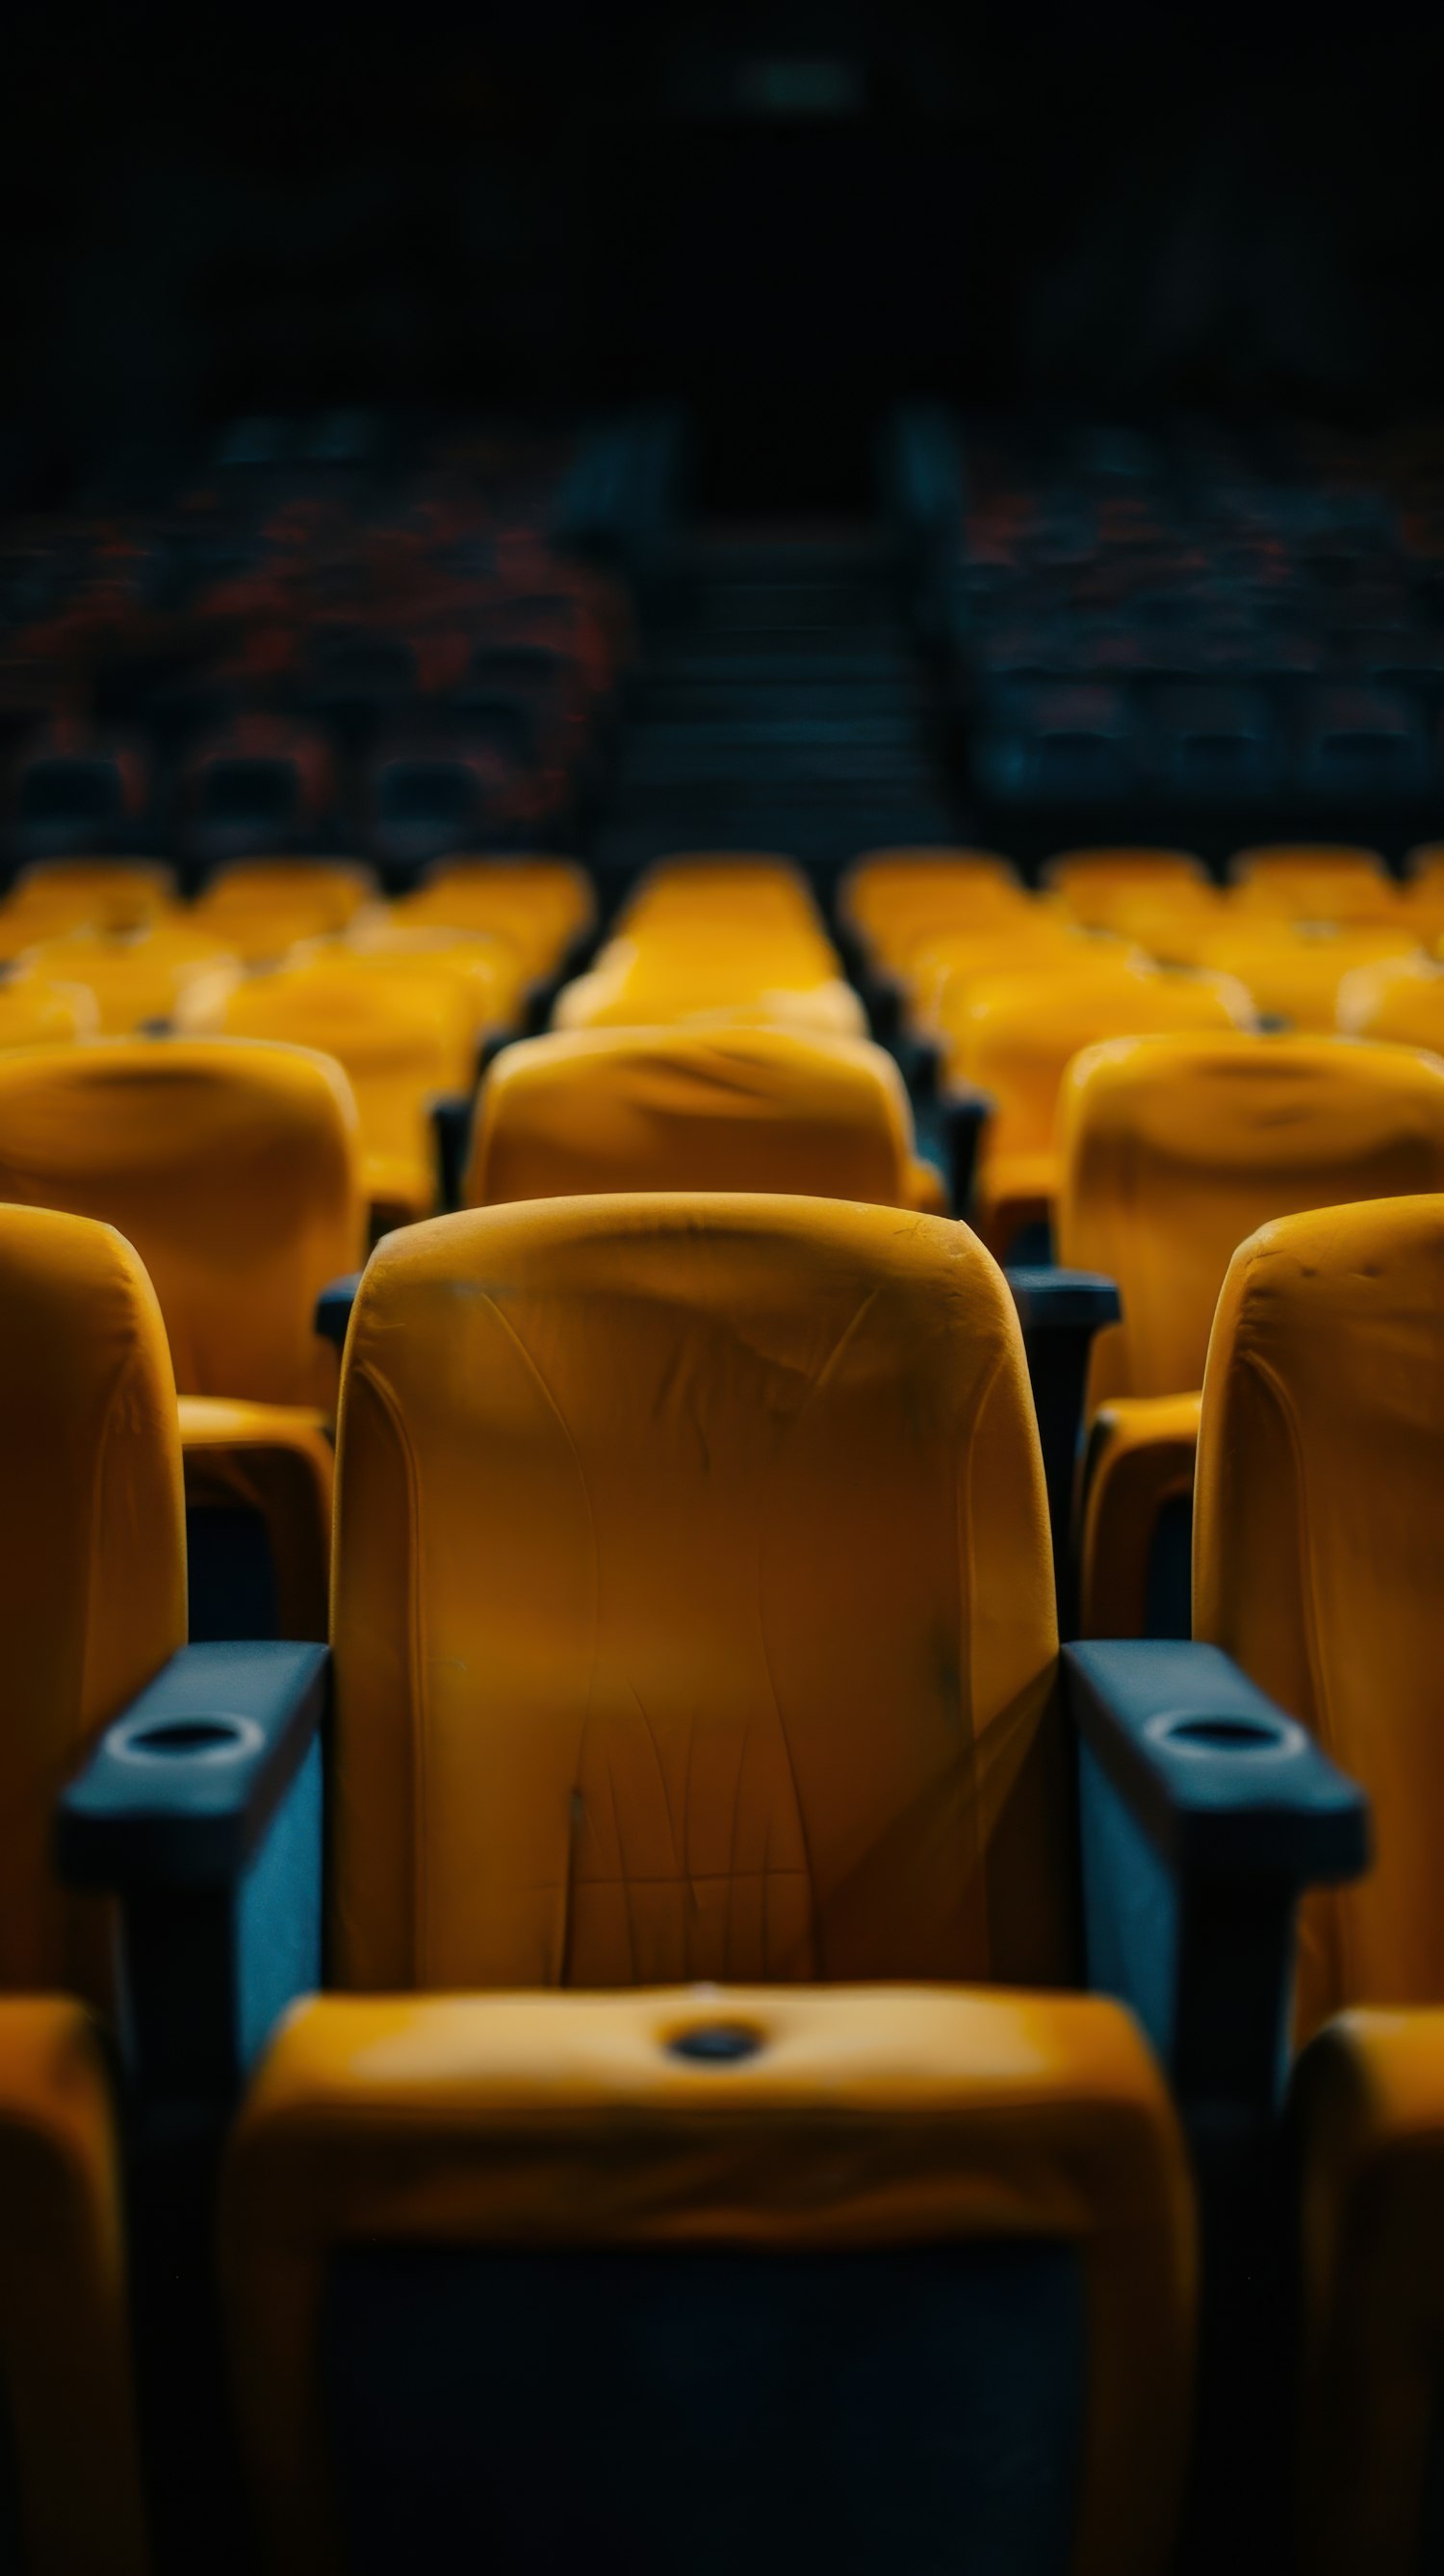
(890, 898)
(725, 1109)
(234, 1172)
(1173, 1150)
(58, 895)
(1303, 881)
(1096, 885)
(261, 907)
(403, 1041)
(1295, 970)
(694, 1620)
(1014, 1036)
(1400, 998)
(540, 904)
(1319, 1562)
(788, 979)
(36, 1012)
(940, 972)
(92, 1603)
(487, 968)
(136, 978)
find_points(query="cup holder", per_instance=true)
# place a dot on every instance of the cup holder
(216, 1737)
(716, 2043)
(1247, 1733)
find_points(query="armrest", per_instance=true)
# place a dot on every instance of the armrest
(1060, 1312)
(333, 1308)
(1205, 1814)
(962, 1115)
(179, 1790)
(201, 1808)
(451, 1130)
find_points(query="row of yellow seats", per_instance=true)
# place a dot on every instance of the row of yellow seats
(892, 899)
(238, 1170)
(403, 997)
(573, 1748)
(716, 938)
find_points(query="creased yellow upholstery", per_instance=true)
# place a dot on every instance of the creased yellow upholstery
(728, 1109)
(693, 1609)
(1319, 1563)
(92, 1556)
(868, 2117)
(1318, 1553)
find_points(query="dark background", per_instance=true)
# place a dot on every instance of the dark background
(787, 218)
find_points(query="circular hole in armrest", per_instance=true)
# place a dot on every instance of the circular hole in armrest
(1241, 1732)
(214, 1737)
(715, 2043)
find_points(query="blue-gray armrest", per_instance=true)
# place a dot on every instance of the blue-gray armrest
(1205, 1813)
(201, 1810)
(333, 1309)
(1060, 1312)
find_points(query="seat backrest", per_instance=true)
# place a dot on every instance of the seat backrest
(1015, 1036)
(136, 977)
(792, 980)
(1398, 998)
(542, 903)
(724, 1109)
(232, 1169)
(693, 1611)
(92, 1563)
(1174, 1149)
(1095, 883)
(262, 907)
(1319, 1551)
(400, 1038)
(36, 1012)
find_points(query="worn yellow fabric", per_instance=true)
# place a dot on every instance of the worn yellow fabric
(401, 1039)
(1306, 881)
(1295, 971)
(92, 1556)
(136, 976)
(37, 1012)
(1318, 1559)
(540, 904)
(867, 2117)
(693, 1608)
(1399, 998)
(64, 2316)
(1095, 884)
(1139, 1458)
(1014, 1037)
(788, 978)
(726, 1109)
(1173, 1149)
(1369, 2115)
(261, 907)
(231, 1168)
